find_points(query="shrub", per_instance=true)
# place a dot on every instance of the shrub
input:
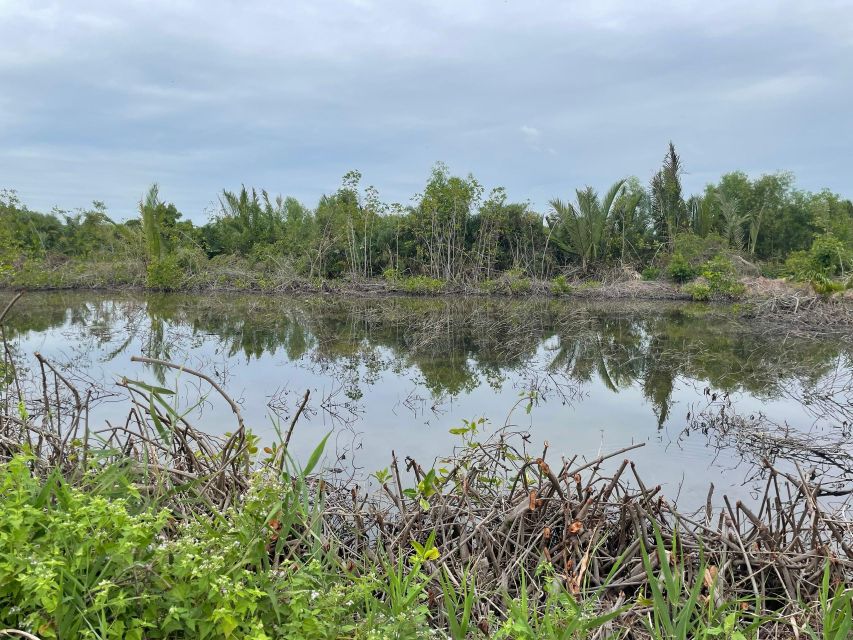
(721, 277)
(826, 257)
(650, 273)
(829, 255)
(519, 286)
(698, 249)
(699, 291)
(423, 285)
(825, 286)
(391, 274)
(76, 564)
(773, 269)
(490, 285)
(560, 286)
(679, 269)
(799, 267)
(165, 274)
(69, 560)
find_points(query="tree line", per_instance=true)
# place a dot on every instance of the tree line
(455, 230)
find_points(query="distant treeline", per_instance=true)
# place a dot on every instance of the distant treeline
(457, 231)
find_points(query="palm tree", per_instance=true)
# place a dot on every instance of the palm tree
(733, 221)
(582, 228)
(149, 211)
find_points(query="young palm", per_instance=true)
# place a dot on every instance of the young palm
(582, 228)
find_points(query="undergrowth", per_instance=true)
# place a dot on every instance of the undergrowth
(79, 561)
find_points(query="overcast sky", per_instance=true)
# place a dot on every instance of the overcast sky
(100, 99)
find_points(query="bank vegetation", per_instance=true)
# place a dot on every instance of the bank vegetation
(650, 239)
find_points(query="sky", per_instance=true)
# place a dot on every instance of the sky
(99, 99)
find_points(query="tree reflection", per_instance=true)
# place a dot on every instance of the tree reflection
(455, 345)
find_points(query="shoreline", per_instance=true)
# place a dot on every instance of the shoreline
(770, 302)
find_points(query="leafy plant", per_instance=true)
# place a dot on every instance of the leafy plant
(699, 291)
(560, 285)
(836, 611)
(679, 269)
(164, 274)
(650, 273)
(422, 285)
(677, 611)
(582, 228)
(458, 603)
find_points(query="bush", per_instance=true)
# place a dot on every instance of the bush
(490, 285)
(826, 257)
(826, 286)
(799, 267)
(773, 269)
(699, 291)
(560, 286)
(165, 274)
(650, 273)
(391, 275)
(76, 564)
(422, 285)
(829, 255)
(679, 269)
(721, 277)
(697, 250)
(520, 286)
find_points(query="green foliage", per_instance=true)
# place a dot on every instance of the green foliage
(490, 285)
(699, 291)
(718, 280)
(71, 564)
(799, 266)
(562, 616)
(836, 610)
(517, 283)
(560, 286)
(677, 611)
(650, 273)
(391, 274)
(451, 233)
(440, 222)
(679, 269)
(826, 287)
(458, 607)
(422, 285)
(582, 229)
(696, 249)
(827, 258)
(164, 274)
(721, 277)
(669, 211)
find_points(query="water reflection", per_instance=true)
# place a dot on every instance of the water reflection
(455, 346)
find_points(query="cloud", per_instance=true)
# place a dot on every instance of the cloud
(101, 98)
(531, 133)
(783, 87)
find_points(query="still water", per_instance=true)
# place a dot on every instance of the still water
(397, 373)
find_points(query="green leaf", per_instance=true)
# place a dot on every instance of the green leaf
(315, 456)
(149, 388)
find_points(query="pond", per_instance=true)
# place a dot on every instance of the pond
(397, 374)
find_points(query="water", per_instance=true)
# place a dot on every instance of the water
(397, 373)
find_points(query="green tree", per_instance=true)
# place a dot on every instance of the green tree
(441, 221)
(581, 228)
(668, 207)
